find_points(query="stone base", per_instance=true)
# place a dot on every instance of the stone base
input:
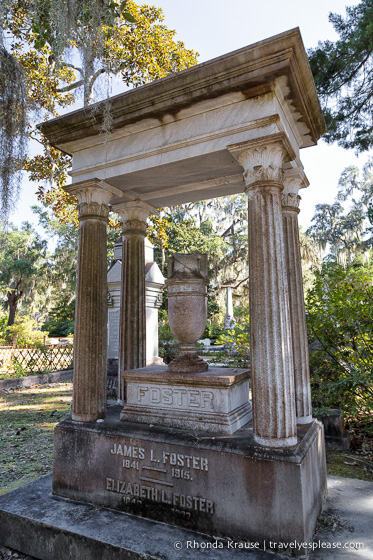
(223, 485)
(34, 522)
(188, 364)
(215, 401)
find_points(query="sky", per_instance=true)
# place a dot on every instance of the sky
(216, 27)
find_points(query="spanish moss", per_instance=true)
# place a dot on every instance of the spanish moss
(13, 128)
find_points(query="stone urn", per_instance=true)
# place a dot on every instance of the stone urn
(187, 308)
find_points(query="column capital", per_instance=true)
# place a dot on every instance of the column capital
(290, 201)
(94, 197)
(294, 180)
(134, 214)
(263, 159)
(93, 190)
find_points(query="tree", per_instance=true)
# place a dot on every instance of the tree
(22, 264)
(346, 232)
(63, 45)
(343, 72)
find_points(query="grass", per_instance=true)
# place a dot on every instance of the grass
(28, 417)
(27, 420)
(349, 465)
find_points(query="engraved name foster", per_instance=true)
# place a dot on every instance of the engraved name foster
(176, 397)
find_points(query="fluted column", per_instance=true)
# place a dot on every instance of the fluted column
(132, 326)
(274, 421)
(294, 180)
(90, 337)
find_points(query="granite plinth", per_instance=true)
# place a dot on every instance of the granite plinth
(215, 401)
(223, 485)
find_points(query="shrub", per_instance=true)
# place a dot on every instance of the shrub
(61, 319)
(236, 351)
(28, 333)
(340, 320)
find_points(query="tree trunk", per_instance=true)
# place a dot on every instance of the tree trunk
(89, 69)
(12, 302)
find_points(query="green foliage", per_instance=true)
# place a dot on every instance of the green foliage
(13, 128)
(103, 38)
(168, 346)
(218, 228)
(22, 265)
(186, 237)
(236, 352)
(3, 326)
(213, 331)
(28, 333)
(61, 319)
(340, 326)
(343, 72)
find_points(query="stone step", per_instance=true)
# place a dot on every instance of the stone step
(34, 522)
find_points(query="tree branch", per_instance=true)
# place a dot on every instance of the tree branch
(97, 74)
(70, 87)
(68, 65)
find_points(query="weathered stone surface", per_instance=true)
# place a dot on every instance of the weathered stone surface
(186, 477)
(271, 352)
(188, 362)
(187, 308)
(294, 180)
(154, 285)
(216, 401)
(90, 348)
(172, 142)
(50, 528)
(176, 118)
(132, 341)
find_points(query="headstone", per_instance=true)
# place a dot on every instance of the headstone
(154, 284)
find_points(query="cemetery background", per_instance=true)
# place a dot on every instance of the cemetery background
(347, 264)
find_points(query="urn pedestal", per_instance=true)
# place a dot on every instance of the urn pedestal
(216, 401)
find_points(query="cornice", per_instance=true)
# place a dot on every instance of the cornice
(247, 70)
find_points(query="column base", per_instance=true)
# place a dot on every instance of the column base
(304, 419)
(275, 442)
(215, 401)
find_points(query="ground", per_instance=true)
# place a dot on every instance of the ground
(27, 421)
(28, 417)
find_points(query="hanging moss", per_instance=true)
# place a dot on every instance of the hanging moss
(13, 129)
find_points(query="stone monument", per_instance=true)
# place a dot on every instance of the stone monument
(188, 394)
(229, 321)
(178, 451)
(154, 285)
